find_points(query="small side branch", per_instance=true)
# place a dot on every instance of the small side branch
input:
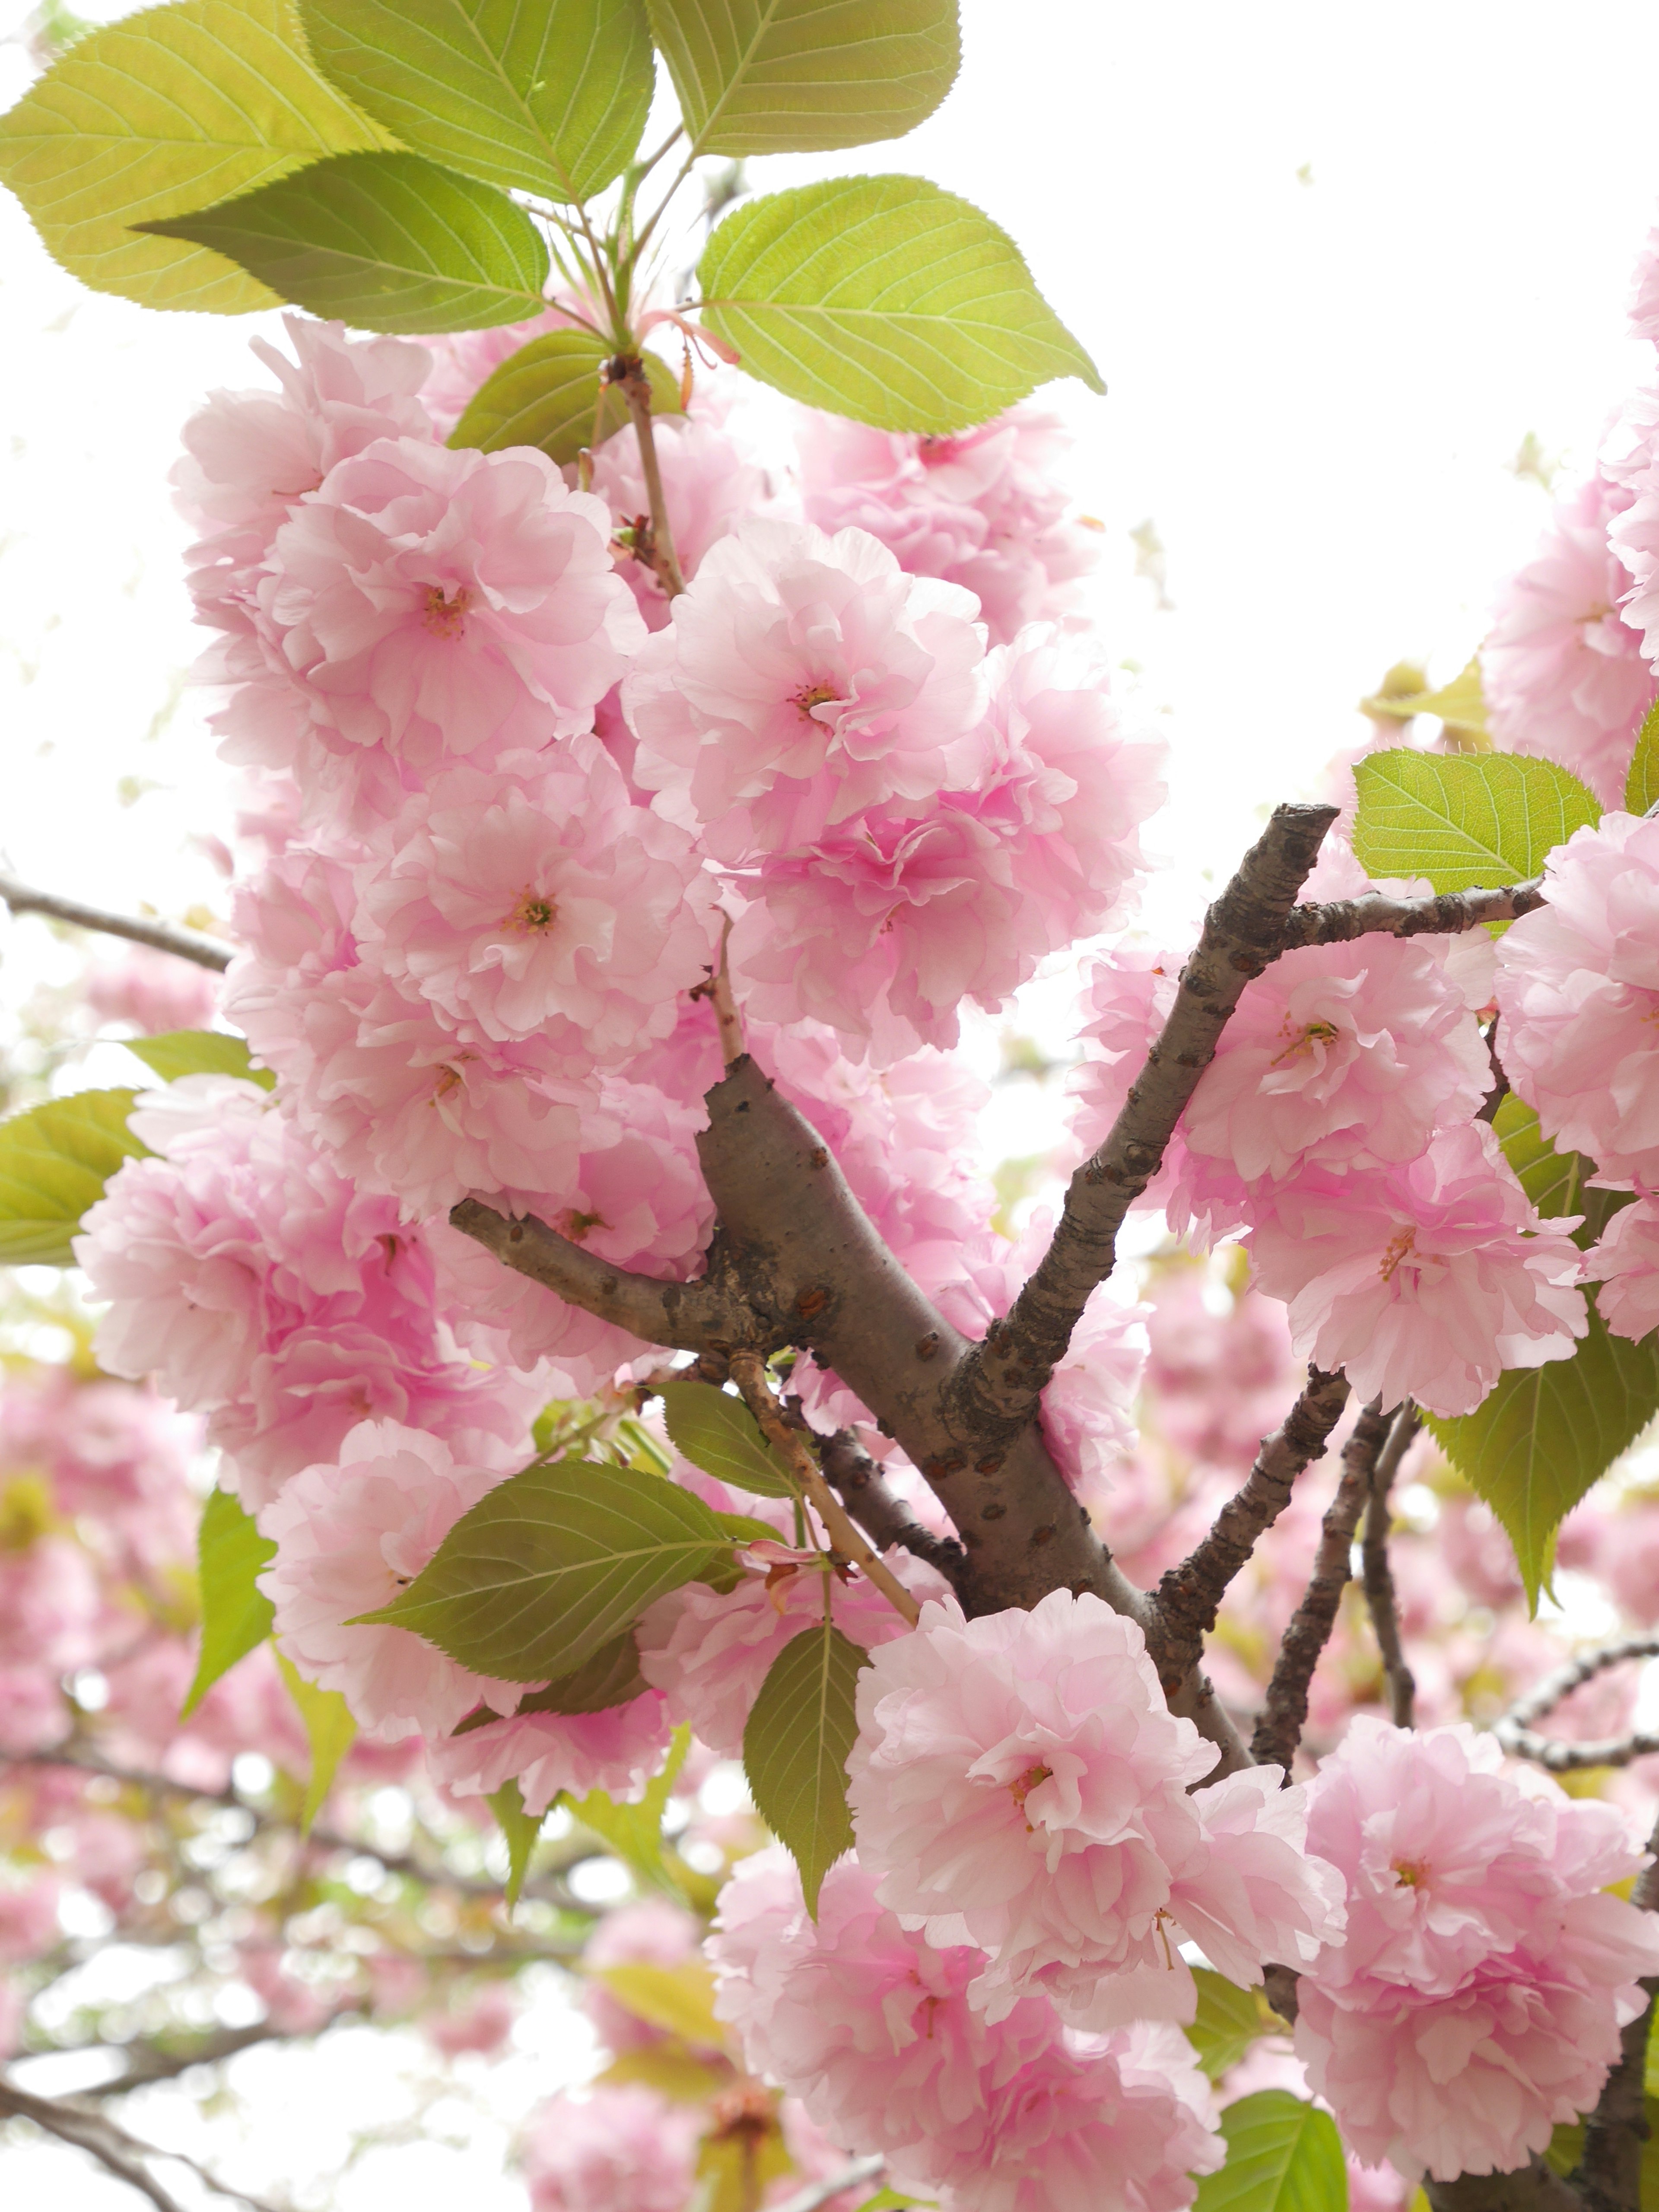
(1610, 2174)
(994, 1390)
(1449, 915)
(1190, 1597)
(1285, 1712)
(118, 2153)
(160, 936)
(1516, 1733)
(880, 1512)
(1378, 1575)
(627, 373)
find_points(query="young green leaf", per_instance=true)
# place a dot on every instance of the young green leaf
(668, 2068)
(799, 1732)
(552, 1564)
(1642, 784)
(548, 98)
(635, 1831)
(55, 1160)
(1282, 2156)
(1461, 704)
(520, 1829)
(385, 241)
(547, 394)
(792, 76)
(199, 1052)
(719, 1434)
(1464, 820)
(1229, 2020)
(885, 298)
(610, 1677)
(329, 1730)
(161, 113)
(678, 2000)
(235, 1615)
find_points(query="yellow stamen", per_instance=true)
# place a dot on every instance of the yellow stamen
(444, 616)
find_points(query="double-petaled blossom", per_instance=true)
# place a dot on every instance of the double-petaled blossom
(1019, 1783)
(1476, 1999)
(1625, 1267)
(621, 2150)
(617, 1749)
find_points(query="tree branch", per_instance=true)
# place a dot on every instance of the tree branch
(1610, 2173)
(880, 1512)
(627, 373)
(995, 1386)
(113, 2147)
(1515, 1731)
(160, 936)
(1285, 1714)
(1378, 1576)
(1190, 1597)
(1448, 915)
(1531, 2188)
(820, 2192)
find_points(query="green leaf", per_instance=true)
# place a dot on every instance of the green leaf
(885, 298)
(548, 98)
(1230, 2020)
(1461, 704)
(610, 1677)
(553, 1563)
(385, 241)
(1282, 2156)
(723, 1572)
(1642, 784)
(718, 1433)
(55, 1160)
(635, 1831)
(235, 1614)
(547, 394)
(736, 2165)
(329, 1730)
(678, 2000)
(799, 1732)
(791, 77)
(891, 2200)
(520, 1829)
(1555, 1182)
(160, 114)
(1465, 820)
(670, 2071)
(199, 1052)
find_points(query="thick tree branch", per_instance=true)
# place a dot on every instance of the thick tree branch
(1609, 2174)
(1284, 1716)
(1190, 1597)
(1449, 915)
(1378, 1576)
(162, 936)
(995, 1386)
(882, 1514)
(1516, 1732)
(1531, 2188)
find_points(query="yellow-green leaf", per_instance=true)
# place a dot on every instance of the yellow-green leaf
(1229, 2020)
(199, 1052)
(779, 76)
(1642, 784)
(547, 395)
(635, 1831)
(236, 1615)
(55, 1160)
(667, 2069)
(1461, 704)
(885, 298)
(330, 1730)
(718, 1433)
(610, 1677)
(166, 111)
(1465, 820)
(1283, 2155)
(520, 1829)
(678, 2000)
(799, 1731)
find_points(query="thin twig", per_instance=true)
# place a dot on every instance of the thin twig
(1190, 1597)
(883, 1515)
(115, 2150)
(1285, 1714)
(820, 2192)
(748, 1373)
(718, 992)
(160, 936)
(1448, 915)
(1515, 1731)
(627, 372)
(1378, 1576)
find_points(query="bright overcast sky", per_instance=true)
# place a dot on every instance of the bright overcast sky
(1335, 262)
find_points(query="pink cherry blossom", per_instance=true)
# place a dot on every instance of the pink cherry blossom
(1625, 1267)
(1562, 669)
(1426, 1281)
(1577, 989)
(154, 992)
(805, 679)
(624, 2149)
(617, 1749)
(1476, 1999)
(483, 2024)
(1018, 1783)
(351, 1533)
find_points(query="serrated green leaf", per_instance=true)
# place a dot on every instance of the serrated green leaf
(236, 1615)
(799, 1732)
(610, 1677)
(199, 1052)
(678, 2000)
(718, 1433)
(1465, 820)
(385, 241)
(635, 1831)
(160, 114)
(330, 1730)
(520, 1829)
(547, 395)
(1642, 784)
(551, 1565)
(1282, 2156)
(1555, 1182)
(547, 97)
(1229, 2020)
(782, 77)
(885, 298)
(55, 1160)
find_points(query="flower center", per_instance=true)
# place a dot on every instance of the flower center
(1304, 1040)
(573, 1226)
(1410, 1873)
(444, 616)
(534, 914)
(814, 694)
(1021, 1788)
(1403, 1241)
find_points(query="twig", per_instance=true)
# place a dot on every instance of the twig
(717, 990)
(820, 2192)
(1285, 1714)
(1515, 1731)
(1609, 2173)
(162, 936)
(627, 372)
(994, 1389)
(115, 2150)
(1190, 1597)
(748, 1373)
(1448, 915)
(1378, 1576)
(880, 1512)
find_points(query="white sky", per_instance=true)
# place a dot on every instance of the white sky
(1335, 263)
